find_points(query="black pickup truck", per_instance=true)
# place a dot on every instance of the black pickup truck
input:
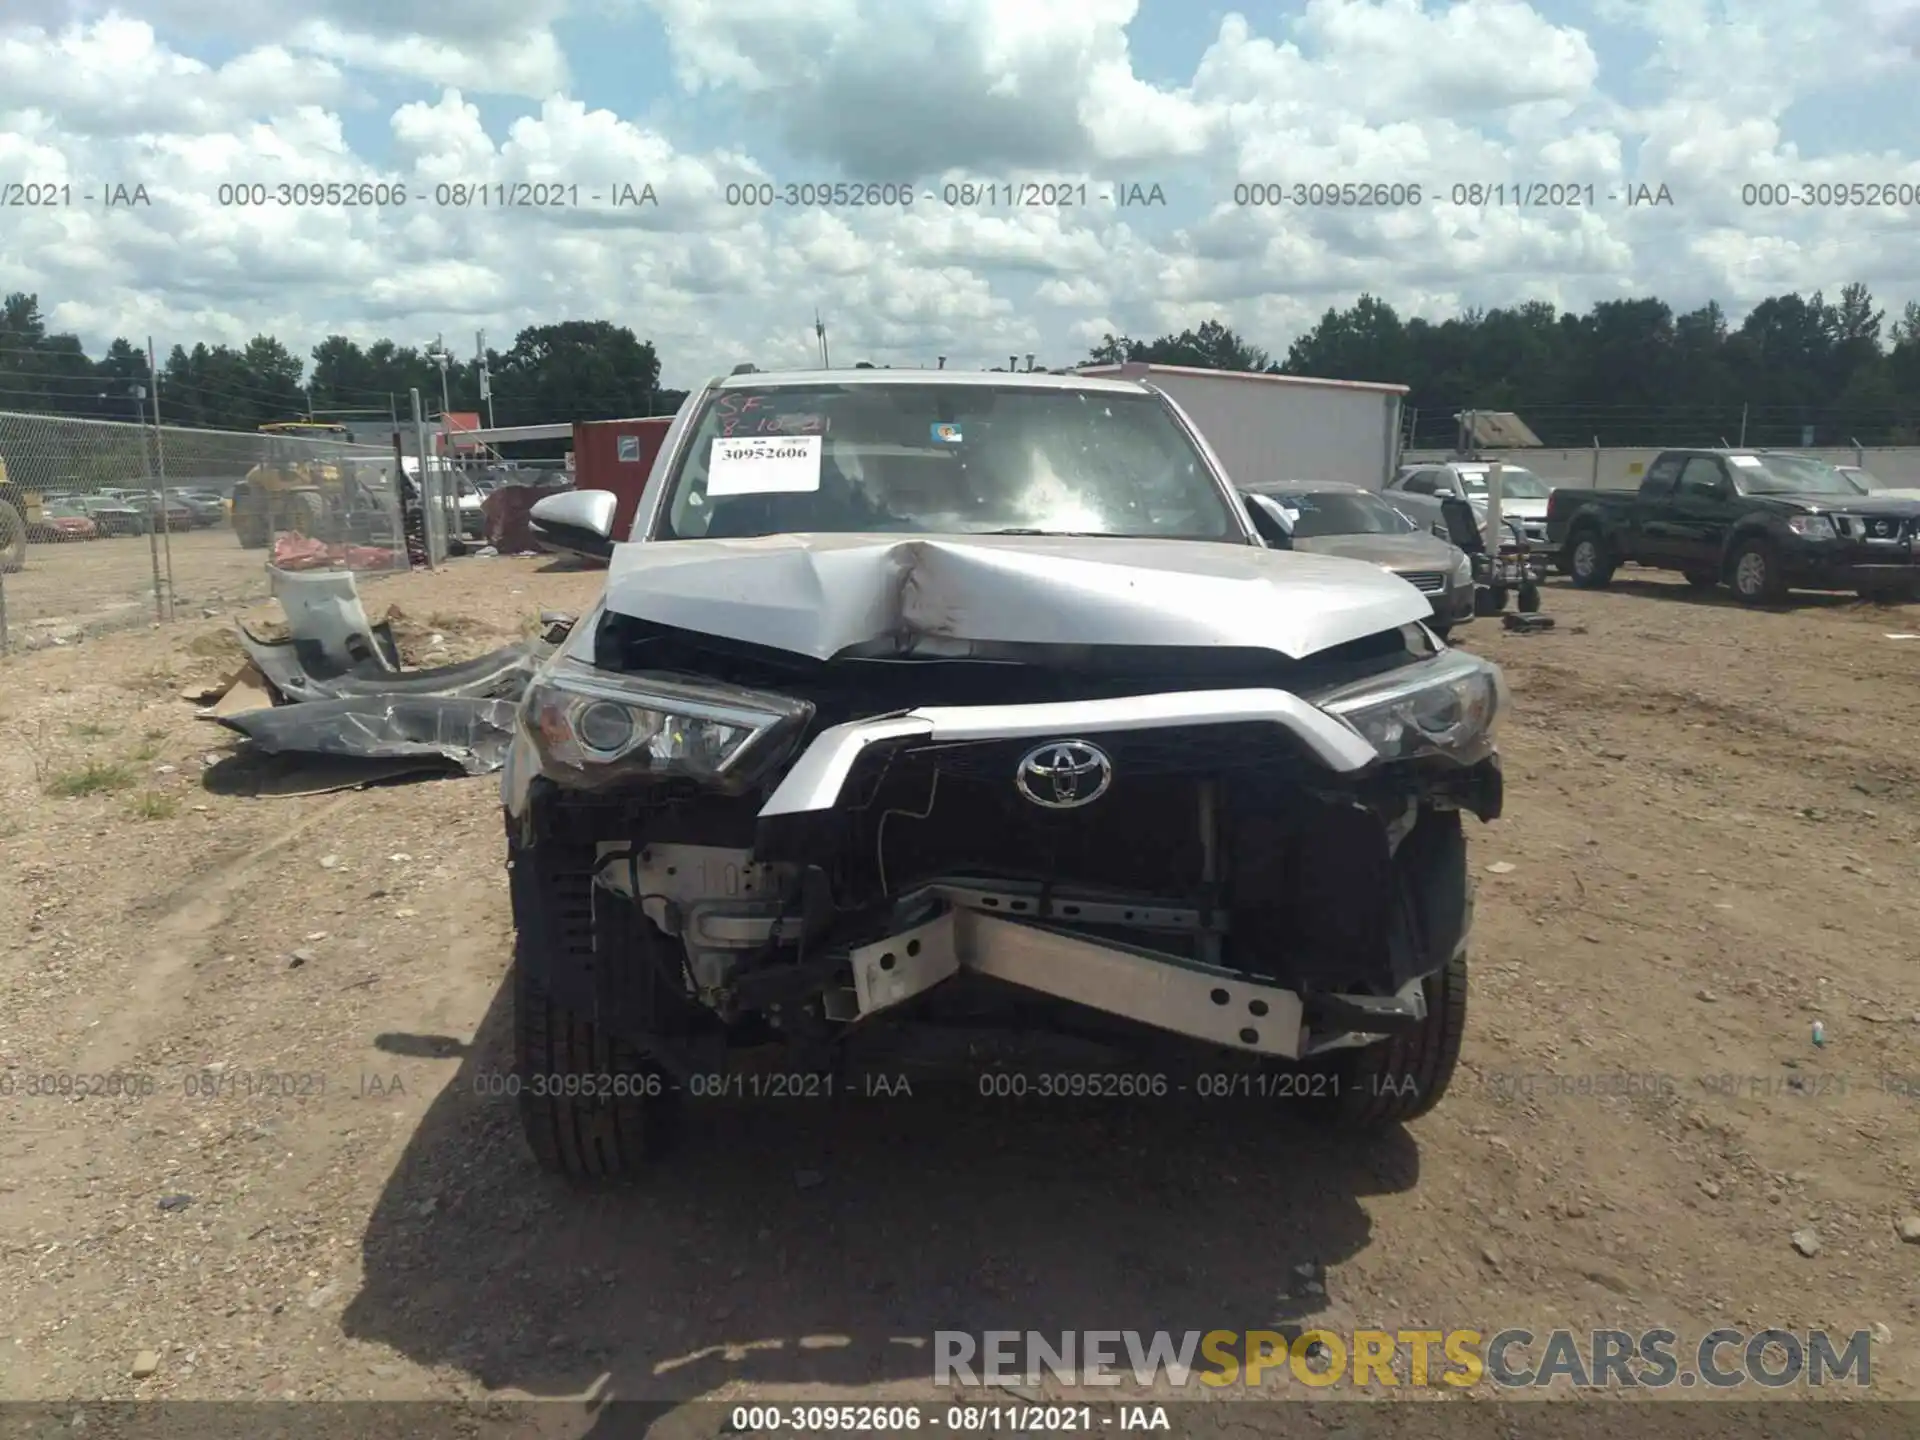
(1763, 523)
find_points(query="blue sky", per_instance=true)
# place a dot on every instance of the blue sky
(1700, 94)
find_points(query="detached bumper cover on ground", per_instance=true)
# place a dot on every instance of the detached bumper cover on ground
(339, 689)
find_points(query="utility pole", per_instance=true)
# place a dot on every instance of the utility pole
(820, 333)
(160, 458)
(139, 394)
(486, 378)
(429, 505)
(439, 356)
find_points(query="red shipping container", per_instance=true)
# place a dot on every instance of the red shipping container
(508, 509)
(617, 455)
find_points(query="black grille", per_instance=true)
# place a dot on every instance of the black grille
(1881, 527)
(1191, 751)
(1427, 582)
(933, 809)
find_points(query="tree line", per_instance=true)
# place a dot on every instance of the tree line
(1627, 372)
(574, 370)
(1797, 370)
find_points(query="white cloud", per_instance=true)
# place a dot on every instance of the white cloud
(893, 91)
(115, 78)
(527, 63)
(1480, 93)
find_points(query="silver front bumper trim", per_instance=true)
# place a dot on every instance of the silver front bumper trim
(816, 779)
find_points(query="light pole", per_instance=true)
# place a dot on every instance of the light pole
(486, 376)
(439, 356)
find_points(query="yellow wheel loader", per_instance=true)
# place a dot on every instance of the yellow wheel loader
(297, 489)
(19, 509)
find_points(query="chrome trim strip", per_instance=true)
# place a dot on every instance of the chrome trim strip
(815, 781)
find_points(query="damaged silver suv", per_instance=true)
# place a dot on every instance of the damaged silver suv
(928, 699)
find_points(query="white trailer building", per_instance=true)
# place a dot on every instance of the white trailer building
(1284, 427)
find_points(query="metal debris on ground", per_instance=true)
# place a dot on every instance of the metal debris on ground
(334, 687)
(1526, 624)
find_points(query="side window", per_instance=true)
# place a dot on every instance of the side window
(1701, 479)
(1659, 479)
(1418, 483)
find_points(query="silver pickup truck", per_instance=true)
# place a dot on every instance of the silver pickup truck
(922, 700)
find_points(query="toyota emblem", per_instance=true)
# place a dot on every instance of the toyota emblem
(1064, 774)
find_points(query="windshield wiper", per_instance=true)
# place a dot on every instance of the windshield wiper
(1057, 534)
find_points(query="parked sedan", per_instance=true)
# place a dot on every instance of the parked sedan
(179, 516)
(206, 508)
(113, 516)
(1330, 518)
(62, 520)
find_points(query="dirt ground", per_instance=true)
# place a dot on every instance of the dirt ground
(92, 585)
(1709, 845)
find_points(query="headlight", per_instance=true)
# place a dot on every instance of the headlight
(1813, 527)
(1446, 706)
(1463, 570)
(608, 726)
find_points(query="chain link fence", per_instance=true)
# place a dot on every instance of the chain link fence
(103, 524)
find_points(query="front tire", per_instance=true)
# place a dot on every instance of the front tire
(583, 1136)
(1401, 1079)
(302, 513)
(13, 539)
(251, 523)
(1757, 577)
(592, 1107)
(1588, 563)
(1529, 600)
(1490, 600)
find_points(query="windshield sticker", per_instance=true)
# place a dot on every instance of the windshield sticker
(764, 466)
(945, 434)
(629, 449)
(1746, 462)
(756, 415)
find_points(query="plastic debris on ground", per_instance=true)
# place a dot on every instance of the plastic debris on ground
(333, 691)
(302, 552)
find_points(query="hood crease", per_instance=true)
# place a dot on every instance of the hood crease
(827, 595)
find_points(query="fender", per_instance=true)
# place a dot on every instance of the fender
(1744, 529)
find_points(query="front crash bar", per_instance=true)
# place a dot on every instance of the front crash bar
(1204, 1003)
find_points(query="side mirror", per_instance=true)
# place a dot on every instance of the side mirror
(1270, 519)
(575, 522)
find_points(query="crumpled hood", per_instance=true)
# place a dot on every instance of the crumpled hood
(1395, 552)
(821, 595)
